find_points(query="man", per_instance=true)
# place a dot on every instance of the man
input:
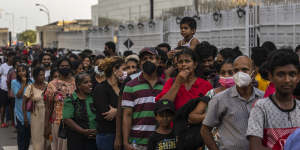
(274, 118)
(139, 102)
(110, 49)
(164, 47)
(4, 101)
(229, 110)
(207, 54)
(46, 62)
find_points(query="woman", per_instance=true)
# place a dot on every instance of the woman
(98, 75)
(57, 91)
(132, 62)
(225, 71)
(78, 115)
(18, 87)
(187, 82)
(86, 61)
(106, 101)
(77, 67)
(54, 74)
(34, 93)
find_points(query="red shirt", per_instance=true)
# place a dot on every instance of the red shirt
(199, 88)
(270, 90)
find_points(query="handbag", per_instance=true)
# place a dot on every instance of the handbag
(62, 130)
(189, 137)
(29, 104)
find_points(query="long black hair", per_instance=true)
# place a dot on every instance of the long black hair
(36, 72)
(195, 58)
(19, 79)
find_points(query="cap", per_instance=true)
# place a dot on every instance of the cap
(133, 56)
(164, 104)
(150, 50)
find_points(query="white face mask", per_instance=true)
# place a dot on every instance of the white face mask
(97, 71)
(242, 79)
(124, 76)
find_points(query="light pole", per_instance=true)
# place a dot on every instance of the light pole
(13, 21)
(26, 21)
(45, 10)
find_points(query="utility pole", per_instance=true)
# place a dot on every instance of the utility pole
(26, 22)
(45, 10)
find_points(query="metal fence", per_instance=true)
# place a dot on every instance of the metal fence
(277, 23)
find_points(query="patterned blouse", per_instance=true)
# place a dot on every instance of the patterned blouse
(56, 92)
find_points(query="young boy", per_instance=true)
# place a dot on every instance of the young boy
(163, 138)
(273, 119)
(188, 26)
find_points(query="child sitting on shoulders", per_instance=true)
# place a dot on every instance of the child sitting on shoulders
(188, 26)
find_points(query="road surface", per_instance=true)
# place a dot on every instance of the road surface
(8, 139)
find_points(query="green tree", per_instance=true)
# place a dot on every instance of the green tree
(28, 36)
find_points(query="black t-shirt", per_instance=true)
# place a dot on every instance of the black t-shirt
(104, 96)
(159, 141)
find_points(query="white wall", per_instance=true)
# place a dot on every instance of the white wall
(97, 39)
(95, 14)
(120, 9)
(72, 40)
(278, 24)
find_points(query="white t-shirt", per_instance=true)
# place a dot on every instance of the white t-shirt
(272, 124)
(47, 75)
(4, 68)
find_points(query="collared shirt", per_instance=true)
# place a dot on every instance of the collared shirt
(229, 112)
(139, 95)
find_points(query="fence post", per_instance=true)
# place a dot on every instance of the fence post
(247, 26)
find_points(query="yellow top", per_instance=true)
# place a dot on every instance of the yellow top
(262, 83)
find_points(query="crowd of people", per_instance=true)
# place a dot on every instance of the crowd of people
(192, 97)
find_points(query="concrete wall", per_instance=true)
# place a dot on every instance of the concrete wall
(134, 9)
(3, 38)
(72, 40)
(95, 14)
(273, 23)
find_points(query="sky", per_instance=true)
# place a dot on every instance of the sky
(59, 10)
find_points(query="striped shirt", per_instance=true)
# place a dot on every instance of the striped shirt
(139, 95)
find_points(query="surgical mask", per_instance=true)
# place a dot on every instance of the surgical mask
(97, 71)
(124, 76)
(227, 82)
(242, 79)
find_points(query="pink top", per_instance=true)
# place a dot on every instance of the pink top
(270, 90)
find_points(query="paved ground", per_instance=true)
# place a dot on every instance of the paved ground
(8, 139)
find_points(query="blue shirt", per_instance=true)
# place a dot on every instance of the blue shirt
(15, 86)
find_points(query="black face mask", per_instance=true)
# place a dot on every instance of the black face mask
(46, 65)
(149, 67)
(65, 71)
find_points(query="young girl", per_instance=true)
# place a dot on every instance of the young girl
(18, 87)
(188, 26)
(34, 92)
